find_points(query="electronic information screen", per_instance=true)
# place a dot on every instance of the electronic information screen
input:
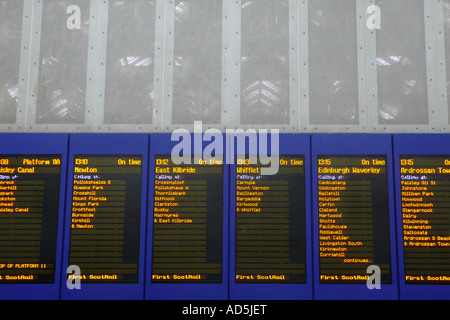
(425, 212)
(29, 208)
(270, 222)
(105, 217)
(187, 222)
(353, 218)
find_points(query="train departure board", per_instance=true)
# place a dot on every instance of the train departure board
(187, 221)
(29, 210)
(353, 218)
(270, 222)
(105, 217)
(425, 216)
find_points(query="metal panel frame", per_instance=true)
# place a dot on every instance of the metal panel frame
(362, 48)
(303, 90)
(33, 63)
(98, 44)
(27, 17)
(442, 95)
(95, 98)
(231, 69)
(294, 77)
(433, 117)
(33, 80)
(167, 69)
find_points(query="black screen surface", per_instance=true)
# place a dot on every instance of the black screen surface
(270, 222)
(425, 210)
(187, 222)
(105, 217)
(353, 218)
(29, 209)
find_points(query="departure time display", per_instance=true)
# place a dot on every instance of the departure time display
(270, 222)
(105, 217)
(187, 221)
(353, 218)
(29, 209)
(425, 212)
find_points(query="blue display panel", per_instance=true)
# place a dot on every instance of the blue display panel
(353, 217)
(187, 245)
(105, 233)
(32, 184)
(270, 219)
(422, 174)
